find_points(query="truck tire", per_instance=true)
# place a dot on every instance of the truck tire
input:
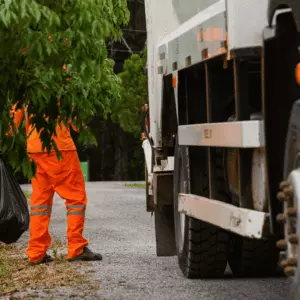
(201, 247)
(253, 258)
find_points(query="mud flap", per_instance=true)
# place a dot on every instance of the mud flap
(164, 214)
(164, 231)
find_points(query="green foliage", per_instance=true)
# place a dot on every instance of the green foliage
(134, 94)
(135, 185)
(55, 50)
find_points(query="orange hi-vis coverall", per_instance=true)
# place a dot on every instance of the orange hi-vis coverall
(63, 177)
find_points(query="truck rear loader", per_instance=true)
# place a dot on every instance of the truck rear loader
(223, 143)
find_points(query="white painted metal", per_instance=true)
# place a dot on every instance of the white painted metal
(161, 20)
(245, 222)
(166, 165)
(182, 217)
(279, 12)
(202, 16)
(175, 24)
(182, 226)
(246, 21)
(269, 32)
(259, 183)
(245, 134)
(148, 155)
(189, 45)
(171, 162)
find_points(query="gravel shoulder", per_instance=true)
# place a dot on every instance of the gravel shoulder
(118, 226)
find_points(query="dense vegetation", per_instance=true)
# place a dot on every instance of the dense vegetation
(134, 94)
(56, 50)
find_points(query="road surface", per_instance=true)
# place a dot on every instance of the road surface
(118, 226)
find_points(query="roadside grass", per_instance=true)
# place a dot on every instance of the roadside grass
(136, 185)
(16, 275)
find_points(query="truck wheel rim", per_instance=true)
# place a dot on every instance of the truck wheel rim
(182, 218)
(259, 181)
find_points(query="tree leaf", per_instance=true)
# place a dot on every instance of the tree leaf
(33, 52)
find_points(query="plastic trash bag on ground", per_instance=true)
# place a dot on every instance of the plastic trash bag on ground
(14, 214)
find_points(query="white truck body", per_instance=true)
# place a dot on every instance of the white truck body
(195, 30)
(181, 35)
(215, 153)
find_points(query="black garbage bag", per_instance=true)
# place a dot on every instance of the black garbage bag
(14, 214)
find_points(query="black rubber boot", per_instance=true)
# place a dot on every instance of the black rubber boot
(87, 255)
(47, 258)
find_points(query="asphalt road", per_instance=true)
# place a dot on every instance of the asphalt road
(118, 226)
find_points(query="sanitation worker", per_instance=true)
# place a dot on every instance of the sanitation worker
(64, 177)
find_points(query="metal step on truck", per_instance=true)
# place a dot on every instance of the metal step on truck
(222, 145)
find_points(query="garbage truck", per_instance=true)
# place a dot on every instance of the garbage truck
(222, 135)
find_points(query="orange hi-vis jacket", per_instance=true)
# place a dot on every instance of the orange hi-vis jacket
(63, 177)
(63, 139)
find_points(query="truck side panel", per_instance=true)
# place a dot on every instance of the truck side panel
(163, 18)
(246, 21)
(201, 37)
(181, 35)
(184, 12)
(199, 43)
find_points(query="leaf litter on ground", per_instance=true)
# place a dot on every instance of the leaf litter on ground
(16, 275)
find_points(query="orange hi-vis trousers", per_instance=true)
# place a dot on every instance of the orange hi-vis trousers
(66, 179)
